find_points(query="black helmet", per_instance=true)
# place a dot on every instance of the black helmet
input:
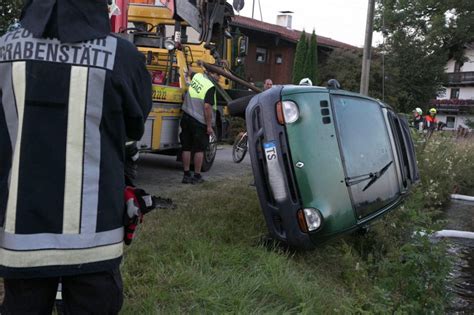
(69, 21)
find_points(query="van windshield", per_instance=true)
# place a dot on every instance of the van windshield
(366, 149)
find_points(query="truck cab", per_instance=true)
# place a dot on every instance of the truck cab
(326, 161)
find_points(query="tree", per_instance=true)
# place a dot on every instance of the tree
(344, 65)
(8, 12)
(421, 35)
(300, 55)
(311, 61)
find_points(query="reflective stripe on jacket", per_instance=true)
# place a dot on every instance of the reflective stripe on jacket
(194, 100)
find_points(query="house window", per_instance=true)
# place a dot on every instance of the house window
(261, 55)
(454, 93)
(450, 120)
(457, 66)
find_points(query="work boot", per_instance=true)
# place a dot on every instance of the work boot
(187, 179)
(197, 179)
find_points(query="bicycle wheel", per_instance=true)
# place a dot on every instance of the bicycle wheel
(239, 149)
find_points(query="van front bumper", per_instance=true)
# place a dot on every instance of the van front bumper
(275, 180)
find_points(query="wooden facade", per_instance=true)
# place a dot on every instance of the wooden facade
(272, 50)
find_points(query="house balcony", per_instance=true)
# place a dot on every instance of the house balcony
(454, 106)
(460, 78)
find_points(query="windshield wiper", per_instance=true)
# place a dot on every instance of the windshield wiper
(373, 176)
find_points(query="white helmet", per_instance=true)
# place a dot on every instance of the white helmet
(419, 111)
(306, 81)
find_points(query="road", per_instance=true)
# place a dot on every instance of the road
(159, 174)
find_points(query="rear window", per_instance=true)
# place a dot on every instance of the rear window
(366, 148)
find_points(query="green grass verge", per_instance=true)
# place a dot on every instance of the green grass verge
(207, 256)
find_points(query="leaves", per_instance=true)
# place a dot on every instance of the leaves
(311, 60)
(420, 37)
(300, 55)
(8, 12)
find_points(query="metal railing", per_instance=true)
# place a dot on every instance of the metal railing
(461, 77)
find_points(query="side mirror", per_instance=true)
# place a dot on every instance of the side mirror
(243, 44)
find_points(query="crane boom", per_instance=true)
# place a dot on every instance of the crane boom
(205, 16)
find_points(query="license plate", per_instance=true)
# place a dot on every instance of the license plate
(275, 174)
(270, 152)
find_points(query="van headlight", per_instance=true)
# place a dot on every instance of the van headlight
(309, 219)
(287, 112)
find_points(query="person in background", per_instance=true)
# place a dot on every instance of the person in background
(431, 122)
(199, 117)
(267, 84)
(71, 94)
(418, 119)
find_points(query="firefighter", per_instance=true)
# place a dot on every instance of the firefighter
(418, 118)
(71, 96)
(199, 117)
(431, 122)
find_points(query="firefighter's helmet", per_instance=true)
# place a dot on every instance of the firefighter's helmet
(306, 81)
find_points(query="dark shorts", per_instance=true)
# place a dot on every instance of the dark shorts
(95, 293)
(193, 135)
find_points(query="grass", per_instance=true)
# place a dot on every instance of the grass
(207, 256)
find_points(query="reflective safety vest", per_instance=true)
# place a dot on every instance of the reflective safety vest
(194, 100)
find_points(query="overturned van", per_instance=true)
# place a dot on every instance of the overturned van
(326, 161)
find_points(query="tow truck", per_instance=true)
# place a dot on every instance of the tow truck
(178, 38)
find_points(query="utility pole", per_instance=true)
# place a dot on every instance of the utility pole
(364, 78)
(253, 7)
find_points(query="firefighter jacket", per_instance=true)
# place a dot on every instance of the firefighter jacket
(65, 113)
(431, 121)
(194, 100)
(418, 121)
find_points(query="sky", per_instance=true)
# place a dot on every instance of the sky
(341, 20)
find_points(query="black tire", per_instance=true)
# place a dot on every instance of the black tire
(239, 149)
(209, 154)
(238, 106)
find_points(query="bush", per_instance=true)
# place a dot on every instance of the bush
(237, 125)
(408, 272)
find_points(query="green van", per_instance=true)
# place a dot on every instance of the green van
(326, 161)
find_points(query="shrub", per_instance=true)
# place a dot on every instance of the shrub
(237, 125)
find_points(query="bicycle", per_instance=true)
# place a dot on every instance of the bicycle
(240, 147)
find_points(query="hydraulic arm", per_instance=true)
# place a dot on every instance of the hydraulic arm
(208, 17)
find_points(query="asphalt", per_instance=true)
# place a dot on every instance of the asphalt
(160, 174)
